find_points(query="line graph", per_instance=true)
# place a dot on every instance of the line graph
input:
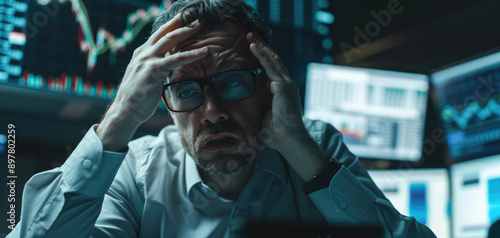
(76, 47)
(473, 109)
(104, 40)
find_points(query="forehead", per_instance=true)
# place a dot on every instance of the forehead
(228, 50)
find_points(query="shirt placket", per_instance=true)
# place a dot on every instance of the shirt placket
(240, 211)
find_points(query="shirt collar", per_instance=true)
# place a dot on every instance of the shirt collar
(191, 174)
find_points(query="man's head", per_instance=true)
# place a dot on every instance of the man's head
(221, 136)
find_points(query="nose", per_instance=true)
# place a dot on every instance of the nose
(212, 111)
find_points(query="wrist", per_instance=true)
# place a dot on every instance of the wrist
(323, 178)
(305, 157)
(116, 129)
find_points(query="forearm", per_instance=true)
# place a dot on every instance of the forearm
(117, 128)
(305, 156)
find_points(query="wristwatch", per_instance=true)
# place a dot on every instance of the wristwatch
(322, 180)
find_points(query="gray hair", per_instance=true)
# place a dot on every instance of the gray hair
(213, 12)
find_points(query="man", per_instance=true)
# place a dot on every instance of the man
(245, 153)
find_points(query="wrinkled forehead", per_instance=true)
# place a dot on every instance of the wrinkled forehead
(228, 50)
(227, 35)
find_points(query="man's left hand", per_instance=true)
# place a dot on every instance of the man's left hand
(282, 126)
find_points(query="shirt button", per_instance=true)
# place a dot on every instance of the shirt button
(343, 205)
(237, 211)
(87, 164)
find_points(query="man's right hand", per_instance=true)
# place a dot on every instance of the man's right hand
(140, 92)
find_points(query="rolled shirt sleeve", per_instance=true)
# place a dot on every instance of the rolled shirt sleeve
(340, 205)
(347, 201)
(76, 188)
(352, 197)
(90, 170)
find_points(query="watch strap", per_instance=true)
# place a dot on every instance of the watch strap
(322, 180)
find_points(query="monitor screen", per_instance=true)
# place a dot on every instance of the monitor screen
(420, 193)
(75, 47)
(380, 113)
(468, 96)
(475, 186)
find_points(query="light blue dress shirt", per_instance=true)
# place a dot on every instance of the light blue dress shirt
(155, 190)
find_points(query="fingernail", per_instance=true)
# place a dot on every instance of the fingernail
(258, 45)
(195, 24)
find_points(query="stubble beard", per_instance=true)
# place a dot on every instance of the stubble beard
(223, 162)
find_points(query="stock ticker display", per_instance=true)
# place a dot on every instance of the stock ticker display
(469, 105)
(72, 46)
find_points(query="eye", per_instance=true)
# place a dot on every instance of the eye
(187, 93)
(232, 83)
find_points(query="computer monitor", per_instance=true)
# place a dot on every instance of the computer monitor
(420, 193)
(380, 113)
(475, 186)
(74, 47)
(468, 100)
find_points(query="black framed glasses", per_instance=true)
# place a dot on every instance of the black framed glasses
(229, 86)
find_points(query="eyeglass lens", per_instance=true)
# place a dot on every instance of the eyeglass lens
(230, 86)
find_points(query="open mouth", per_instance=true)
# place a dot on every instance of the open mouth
(219, 142)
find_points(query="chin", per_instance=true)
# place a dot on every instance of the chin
(224, 164)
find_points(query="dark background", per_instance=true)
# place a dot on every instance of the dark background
(425, 36)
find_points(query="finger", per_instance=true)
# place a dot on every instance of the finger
(169, 26)
(272, 66)
(255, 38)
(177, 60)
(173, 38)
(268, 58)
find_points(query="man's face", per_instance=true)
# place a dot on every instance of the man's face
(221, 136)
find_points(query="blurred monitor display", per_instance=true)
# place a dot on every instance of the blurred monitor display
(73, 47)
(420, 193)
(468, 96)
(380, 113)
(475, 186)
